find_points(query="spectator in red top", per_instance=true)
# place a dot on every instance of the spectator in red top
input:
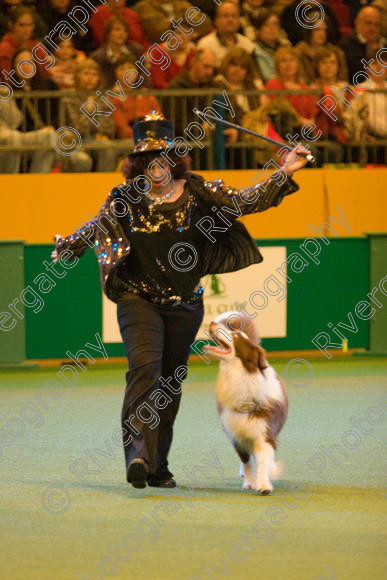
(288, 71)
(181, 58)
(100, 19)
(20, 36)
(132, 108)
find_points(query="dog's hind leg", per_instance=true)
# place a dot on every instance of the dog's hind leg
(246, 469)
(265, 460)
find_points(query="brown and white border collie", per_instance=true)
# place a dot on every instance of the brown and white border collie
(250, 397)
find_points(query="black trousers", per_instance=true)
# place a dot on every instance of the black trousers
(157, 341)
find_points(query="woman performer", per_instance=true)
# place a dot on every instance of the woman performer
(155, 237)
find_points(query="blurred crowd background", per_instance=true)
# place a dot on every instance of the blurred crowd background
(274, 70)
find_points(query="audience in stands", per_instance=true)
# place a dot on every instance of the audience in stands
(23, 123)
(364, 41)
(155, 18)
(88, 77)
(316, 38)
(66, 61)
(225, 35)
(246, 44)
(268, 40)
(114, 8)
(130, 109)
(114, 46)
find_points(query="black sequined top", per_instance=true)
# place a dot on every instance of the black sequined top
(161, 265)
(161, 252)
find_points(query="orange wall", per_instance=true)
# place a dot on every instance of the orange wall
(35, 207)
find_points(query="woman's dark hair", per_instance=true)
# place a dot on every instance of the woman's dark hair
(263, 17)
(316, 15)
(36, 80)
(239, 56)
(19, 11)
(111, 23)
(136, 165)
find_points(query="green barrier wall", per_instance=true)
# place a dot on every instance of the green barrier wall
(12, 342)
(378, 328)
(72, 311)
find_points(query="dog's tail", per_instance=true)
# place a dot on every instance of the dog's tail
(276, 470)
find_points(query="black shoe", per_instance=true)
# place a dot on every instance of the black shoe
(138, 473)
(169, 483)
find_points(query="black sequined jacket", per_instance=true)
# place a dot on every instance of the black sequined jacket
(135, 242)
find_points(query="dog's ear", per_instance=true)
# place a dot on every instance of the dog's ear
(262, 360)
(247, 351)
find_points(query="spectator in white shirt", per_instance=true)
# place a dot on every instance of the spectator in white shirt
(227, 24)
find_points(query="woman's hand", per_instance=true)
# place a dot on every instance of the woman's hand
(295, 160)
(54, 253)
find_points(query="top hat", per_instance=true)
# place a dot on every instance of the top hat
(153, 133)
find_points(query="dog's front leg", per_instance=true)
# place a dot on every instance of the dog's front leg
(246, 469)
(265, 458)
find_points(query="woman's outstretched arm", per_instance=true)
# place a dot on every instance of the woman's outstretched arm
(268, 193)
(84, 237)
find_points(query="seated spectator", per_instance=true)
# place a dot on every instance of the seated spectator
(225, 35)
(364, 41)
(7, 7)
(315, 39)
(88, 77)
(250, 10)
(268, 41)
(289, 76)
(237, 72)
(132, 108)
(328, 79)
(115, 45)
(38, 112)
(155, 18)
(21, 26)
(66, 61)
(382, 6)
(181, 59)
(55, 11)
(366, 118)
(200, 75)
(114, 8)
(23, 122)
(295, 30)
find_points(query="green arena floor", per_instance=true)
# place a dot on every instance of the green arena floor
(57, 527)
